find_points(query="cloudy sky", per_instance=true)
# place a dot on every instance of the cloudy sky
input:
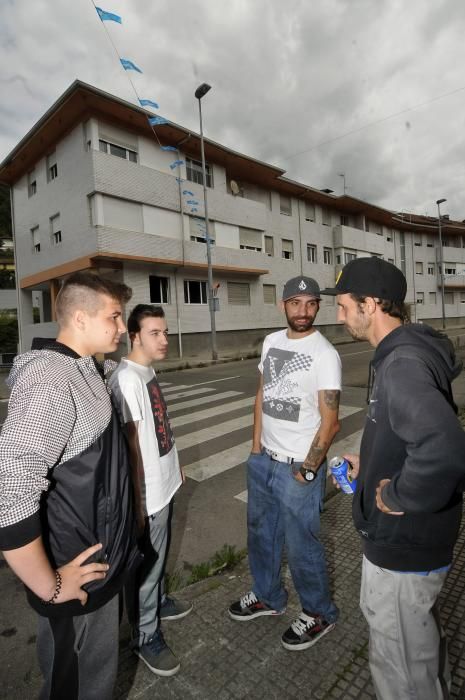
(371, 88)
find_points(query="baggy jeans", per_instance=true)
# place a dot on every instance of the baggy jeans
(408, 652)
(283, 511)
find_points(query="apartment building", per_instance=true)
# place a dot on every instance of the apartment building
(93, 188)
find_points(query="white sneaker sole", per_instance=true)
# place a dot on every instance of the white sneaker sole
(253, 616)
(307, 645)
(158, 671)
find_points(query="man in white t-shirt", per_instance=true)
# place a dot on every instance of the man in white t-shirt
(156, 477)
(295, 421)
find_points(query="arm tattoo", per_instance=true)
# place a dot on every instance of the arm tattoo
(331, 399)
(316, 453)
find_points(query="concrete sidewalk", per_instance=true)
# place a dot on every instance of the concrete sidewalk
(226, 660)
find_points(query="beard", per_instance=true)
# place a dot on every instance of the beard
(300, 325)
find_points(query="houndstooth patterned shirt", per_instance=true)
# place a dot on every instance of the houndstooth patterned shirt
(59, 405)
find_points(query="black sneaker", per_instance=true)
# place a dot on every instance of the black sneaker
(157, 656)
(174, 609)
(249, 607)
(305, 632)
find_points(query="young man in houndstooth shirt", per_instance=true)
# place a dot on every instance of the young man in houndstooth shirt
(67, 526)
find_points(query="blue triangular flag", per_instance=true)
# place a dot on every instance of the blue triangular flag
(180, 179)
(188, 192)
(108, 16)
(149, 103)
(129, 65)
(175, 164)
(157, 121)
(169, 148)
(193, 202)
(193, 209)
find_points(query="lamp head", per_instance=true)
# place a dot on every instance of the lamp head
(440, 201)
(202, 90)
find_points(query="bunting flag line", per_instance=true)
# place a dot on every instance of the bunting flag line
(193, 210)
(129, 65)
(108, 16)
(157, 121)
(149, 103)
(188, 192)
(175, 164)
(180, 180)
(192, 202)
(169, 148)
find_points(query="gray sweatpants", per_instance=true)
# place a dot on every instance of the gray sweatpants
(78, 656)
(408, 653)
(145, 590)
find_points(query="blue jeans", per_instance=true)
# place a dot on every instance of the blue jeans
(283, 511)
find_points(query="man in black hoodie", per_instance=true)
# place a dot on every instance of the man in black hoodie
(411, 470)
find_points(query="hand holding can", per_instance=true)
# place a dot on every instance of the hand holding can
(341, 469)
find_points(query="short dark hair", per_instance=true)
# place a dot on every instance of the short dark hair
(396, 309)
(82, 290)
(140, 312)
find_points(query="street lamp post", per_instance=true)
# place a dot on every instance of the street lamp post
(199, 93)
(441, 262)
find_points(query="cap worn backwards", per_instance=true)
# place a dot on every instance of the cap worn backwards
(301, 286)
(370, 277)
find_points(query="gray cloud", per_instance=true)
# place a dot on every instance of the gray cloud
(286, 78)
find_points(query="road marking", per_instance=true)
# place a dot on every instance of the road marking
(199, 437)
(218, 463)
(212, 381)
(211, 412)
(195, 403)
(360, 352)
(191, 392)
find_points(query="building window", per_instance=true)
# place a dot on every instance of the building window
(417, 239)
(462, 297)
(118, 151)
(52, 168)
(349, 256)
(402, 252)
(55, 229)
(338, 259)
(311, 253)
(309, 211)
(285, 205)
(432, 298)
(35, 237)
(250, 239)
(269, 246)
(287, 249)
(429, 241)
(326, 216)
(418, 268)
(430, 268)
(31, 183)
(195, 292)
(344, 220)
(202, 239)
(450, 271)
(194, 172)
(448, 297)
(420, 297)
(159, 289)
(389, 236)
(269, 293)
(327, 256)
(239, 293)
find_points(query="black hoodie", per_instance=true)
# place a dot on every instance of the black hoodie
(413, 437)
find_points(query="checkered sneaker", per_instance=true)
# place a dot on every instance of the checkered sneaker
(305, 632)
(249, 607)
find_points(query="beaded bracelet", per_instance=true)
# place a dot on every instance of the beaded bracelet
(59, 581)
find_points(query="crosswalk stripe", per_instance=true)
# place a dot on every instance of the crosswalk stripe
(192, 392)
(220, 462)
(175, 387)
(198, 437)
(211, 412)
(195, 403)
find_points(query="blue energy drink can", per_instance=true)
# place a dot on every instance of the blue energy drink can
(341, 470)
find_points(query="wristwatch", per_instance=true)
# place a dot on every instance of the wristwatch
(308, 474)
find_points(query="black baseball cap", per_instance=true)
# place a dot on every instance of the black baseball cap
(370, 277)
(298, 286)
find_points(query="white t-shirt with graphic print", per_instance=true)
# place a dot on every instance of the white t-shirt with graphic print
(140, 399)
(294, 371)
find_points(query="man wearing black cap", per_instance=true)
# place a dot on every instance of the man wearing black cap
(295, 421)
(411, 469)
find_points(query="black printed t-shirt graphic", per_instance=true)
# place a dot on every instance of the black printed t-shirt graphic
(163, 430)
(281, 398)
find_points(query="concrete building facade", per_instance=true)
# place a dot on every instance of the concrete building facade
(92, 188)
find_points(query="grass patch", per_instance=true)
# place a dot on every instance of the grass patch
(224, 559)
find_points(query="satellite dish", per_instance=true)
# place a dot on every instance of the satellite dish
(235, 189)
